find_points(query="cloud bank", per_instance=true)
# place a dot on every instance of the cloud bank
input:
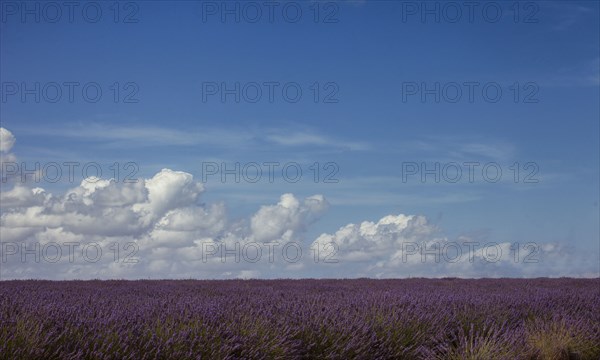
(159, 228)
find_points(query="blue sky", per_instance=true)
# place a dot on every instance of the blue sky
(364, 60)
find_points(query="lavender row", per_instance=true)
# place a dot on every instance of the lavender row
(301, 319)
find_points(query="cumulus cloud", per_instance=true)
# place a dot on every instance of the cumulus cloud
(21, 196)
(287, 217)
(409, 246)
(155, 227)
(7, 140)
(159, 228)
(373, 242)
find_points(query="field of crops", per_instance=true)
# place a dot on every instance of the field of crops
(301, 319)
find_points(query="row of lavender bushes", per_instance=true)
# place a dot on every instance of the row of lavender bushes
(301, 319)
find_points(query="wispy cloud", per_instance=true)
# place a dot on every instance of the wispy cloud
(566, 14)
(584, 73)
(146, 135)
(130, 136)
(455, 148)
(312, 139)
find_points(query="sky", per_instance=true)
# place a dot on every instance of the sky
(299, 139)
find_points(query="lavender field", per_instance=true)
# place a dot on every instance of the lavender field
(301, 319)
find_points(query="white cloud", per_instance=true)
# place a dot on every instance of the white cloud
(21, 196)
(289, 215)
(403, 246)
(135, 136)
(158, 228)
(295, 138)
(7, 140)
(161, 218)
(168, 190)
